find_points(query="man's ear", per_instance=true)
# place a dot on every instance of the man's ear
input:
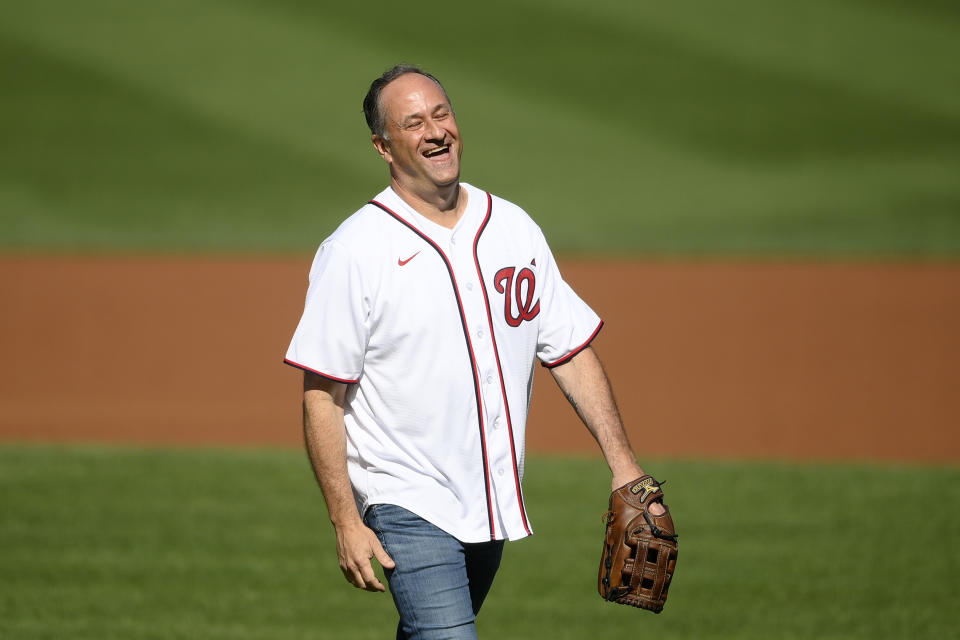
(382, 145)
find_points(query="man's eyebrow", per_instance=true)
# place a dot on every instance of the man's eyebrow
(443, 106)
(411, 116)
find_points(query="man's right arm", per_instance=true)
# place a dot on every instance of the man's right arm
(326, 441)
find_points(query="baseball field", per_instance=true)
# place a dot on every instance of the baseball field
(760, 199)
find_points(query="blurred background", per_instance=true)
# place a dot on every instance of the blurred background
(747, 127)
(761, 199)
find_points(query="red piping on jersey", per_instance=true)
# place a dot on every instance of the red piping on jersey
(319, 373)
(473, 361)
(569, 356)
(496, 353)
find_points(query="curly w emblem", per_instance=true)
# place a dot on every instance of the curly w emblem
(517, 292)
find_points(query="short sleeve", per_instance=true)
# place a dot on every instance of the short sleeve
(332, 335)
(567, 324)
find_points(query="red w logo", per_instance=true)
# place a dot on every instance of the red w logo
(520, 292)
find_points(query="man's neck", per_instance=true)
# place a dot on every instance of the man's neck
(444, 206)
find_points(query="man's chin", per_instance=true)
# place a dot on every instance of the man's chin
(447, 179)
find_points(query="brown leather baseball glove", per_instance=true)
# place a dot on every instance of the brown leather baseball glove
(639, 549)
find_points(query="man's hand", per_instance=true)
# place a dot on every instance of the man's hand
(628, 476)
(356, 546)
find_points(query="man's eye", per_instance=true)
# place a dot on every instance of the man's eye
(414, 125)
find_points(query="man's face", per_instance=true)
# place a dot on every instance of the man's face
(422, 144)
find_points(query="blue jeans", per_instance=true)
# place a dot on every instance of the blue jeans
(439, 583)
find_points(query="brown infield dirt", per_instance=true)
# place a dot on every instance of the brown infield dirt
(778, 360)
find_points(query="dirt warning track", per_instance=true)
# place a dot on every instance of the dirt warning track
(733, 359)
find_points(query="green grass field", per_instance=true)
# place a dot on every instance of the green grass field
(103, 542)
(817, 128)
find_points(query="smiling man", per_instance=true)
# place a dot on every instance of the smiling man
(425, 314)
(415, 131)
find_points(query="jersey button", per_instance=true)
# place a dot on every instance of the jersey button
(489, 379)
(496, 423)
(500, 471)
(469, 286)
(480, 333)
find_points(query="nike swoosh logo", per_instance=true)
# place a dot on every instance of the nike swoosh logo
(403, 262)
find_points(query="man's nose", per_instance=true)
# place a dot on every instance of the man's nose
(435, 131)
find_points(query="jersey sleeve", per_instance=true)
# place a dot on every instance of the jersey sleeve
(567, 324)
(332, 335)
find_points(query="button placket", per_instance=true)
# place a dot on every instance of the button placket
(498, 445)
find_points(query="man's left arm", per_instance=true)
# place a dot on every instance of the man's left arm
(585, 383)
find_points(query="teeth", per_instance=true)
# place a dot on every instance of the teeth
(436, 151)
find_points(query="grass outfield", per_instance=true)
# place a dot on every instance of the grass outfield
(100, 542)
(828, 127)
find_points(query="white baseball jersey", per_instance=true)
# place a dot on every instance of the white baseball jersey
(436, 331)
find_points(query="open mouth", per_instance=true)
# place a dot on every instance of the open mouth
(439, 151)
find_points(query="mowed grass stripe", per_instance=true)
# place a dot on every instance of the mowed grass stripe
(620, 129)
(642, 78)
(250, 67)
(854, 165)
(128, 167)
(102, 542)
(897, 51)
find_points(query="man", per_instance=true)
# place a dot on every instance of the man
(425, 313)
